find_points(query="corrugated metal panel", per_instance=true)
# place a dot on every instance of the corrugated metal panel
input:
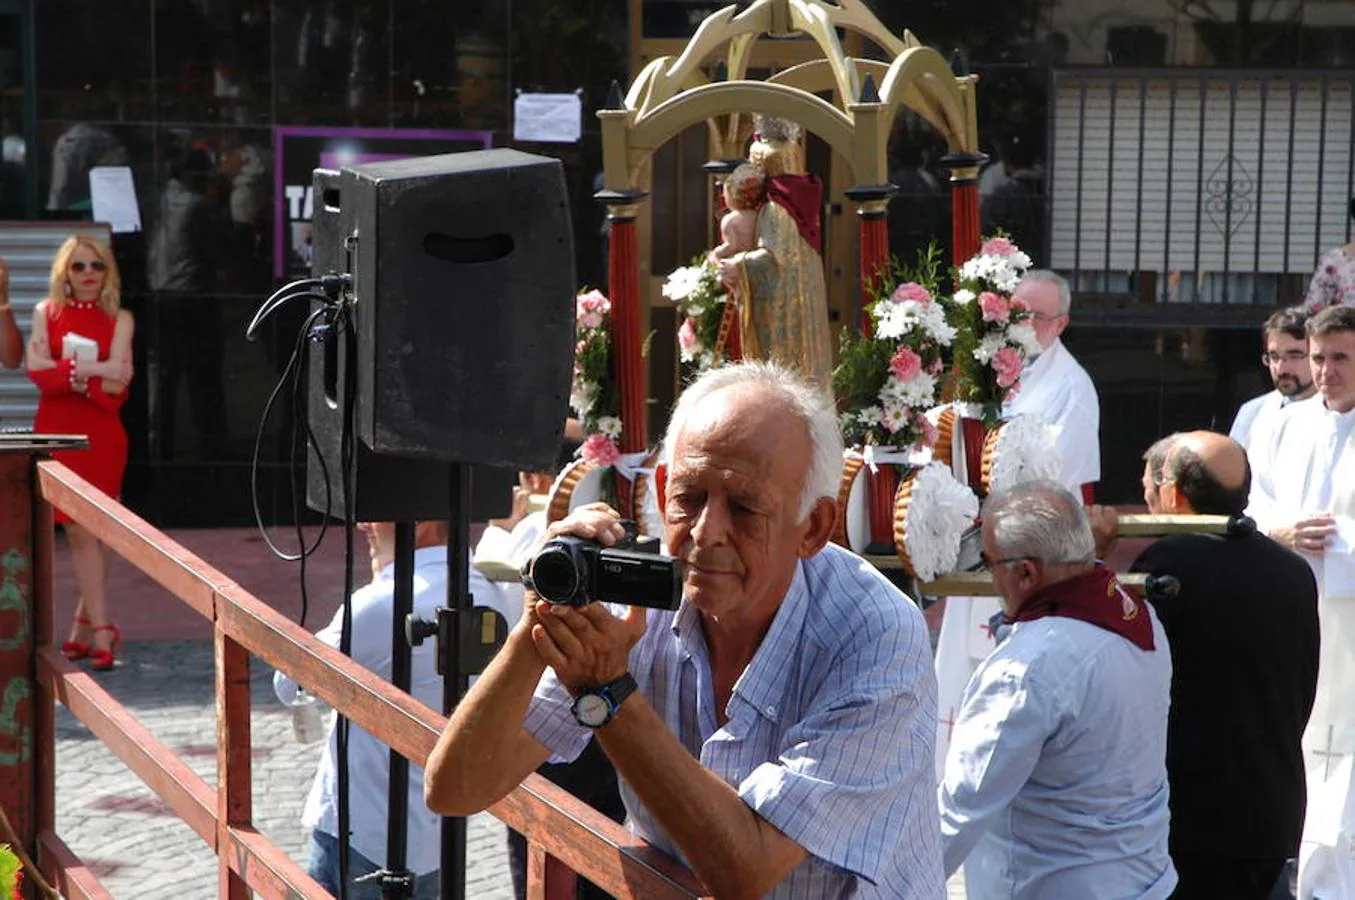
(1250, 173)
(28, 247)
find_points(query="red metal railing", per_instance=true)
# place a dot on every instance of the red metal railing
(554, 823)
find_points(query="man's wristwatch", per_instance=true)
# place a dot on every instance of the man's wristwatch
(595, 707)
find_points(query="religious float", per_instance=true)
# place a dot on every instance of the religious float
(921, 379)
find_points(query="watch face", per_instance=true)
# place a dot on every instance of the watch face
(592, 710)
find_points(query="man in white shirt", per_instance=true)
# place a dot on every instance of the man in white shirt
(514, 539)
(1058, 391)
(1285, 354)
(1055, 785)
(368, 758)
(1303, 496)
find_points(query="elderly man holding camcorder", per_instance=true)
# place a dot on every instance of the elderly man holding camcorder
(774, 727)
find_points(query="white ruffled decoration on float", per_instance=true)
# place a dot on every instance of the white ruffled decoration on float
(1024, 451)
(940, 511)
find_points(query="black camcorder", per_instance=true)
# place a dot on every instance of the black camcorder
(574, 571)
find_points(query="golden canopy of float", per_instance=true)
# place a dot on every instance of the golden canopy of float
(673, 93)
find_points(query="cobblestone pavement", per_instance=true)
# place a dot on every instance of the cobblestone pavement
(131, 840)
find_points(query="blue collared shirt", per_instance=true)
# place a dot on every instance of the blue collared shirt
(830, 734)
(1056, 781)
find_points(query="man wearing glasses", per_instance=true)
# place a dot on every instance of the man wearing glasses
(1285, 356)
(1056, 390)
(1303, 495)
(1056, 780)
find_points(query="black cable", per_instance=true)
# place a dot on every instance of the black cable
(293, 371)
(349, 474)
(276, 301)
(330, 286)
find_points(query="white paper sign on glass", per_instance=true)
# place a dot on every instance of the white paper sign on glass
(112, 193)
(553, 118)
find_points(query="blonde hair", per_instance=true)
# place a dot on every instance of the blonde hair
(59, 286)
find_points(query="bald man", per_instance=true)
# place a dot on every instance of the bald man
(1243, 631)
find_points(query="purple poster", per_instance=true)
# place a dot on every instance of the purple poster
(297, 152)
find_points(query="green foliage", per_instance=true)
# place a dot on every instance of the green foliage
(863, 366)
(9, 872)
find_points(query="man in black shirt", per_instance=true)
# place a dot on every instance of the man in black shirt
(1243, 631)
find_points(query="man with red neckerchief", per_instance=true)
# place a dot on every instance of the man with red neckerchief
(1055, 784)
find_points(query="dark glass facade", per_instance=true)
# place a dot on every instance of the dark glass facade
(189, 93)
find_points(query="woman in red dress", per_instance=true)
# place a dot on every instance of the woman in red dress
(80, 357)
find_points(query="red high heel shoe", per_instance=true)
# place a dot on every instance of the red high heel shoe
(102, 660)
(74, 650)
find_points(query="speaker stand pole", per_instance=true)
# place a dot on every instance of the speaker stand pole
(453, 862)
(396, 881)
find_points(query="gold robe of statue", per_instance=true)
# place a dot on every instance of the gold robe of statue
(783, 300)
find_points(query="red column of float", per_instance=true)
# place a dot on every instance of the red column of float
(964, 233)
(624, 292)
(964, 203)
(623, 288)
(874, 257)
(884, 481)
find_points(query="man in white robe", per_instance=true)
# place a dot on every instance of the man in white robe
(1056, 389)
(1303, 495)
(1284, 353)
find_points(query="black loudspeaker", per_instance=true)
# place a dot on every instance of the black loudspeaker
(463, 269)
(389, 489)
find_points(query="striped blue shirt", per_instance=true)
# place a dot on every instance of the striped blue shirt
(830, 734)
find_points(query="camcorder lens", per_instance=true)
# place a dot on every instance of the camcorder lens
(556, 575)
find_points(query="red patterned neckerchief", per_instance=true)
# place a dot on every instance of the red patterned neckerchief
(1095, 597)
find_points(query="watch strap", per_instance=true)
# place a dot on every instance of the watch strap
(617, 690)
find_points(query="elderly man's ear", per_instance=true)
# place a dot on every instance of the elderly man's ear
(818, 527)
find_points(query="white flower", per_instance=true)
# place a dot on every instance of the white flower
(1020, 260)
(964, 297)
(1024, 451)
(1022, 334)
(1006, 279)
(975, 269)
(989, 346)
(933, 320)
(894, 324)
(870, 416)
(920, 390)
(682, 282)
(610, 426)
(895, 417)
(581, 398)
(940, 511)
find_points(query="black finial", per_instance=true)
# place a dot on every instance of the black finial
(869, 93)
(722, 71)
(615, 99)
(959, 62)
(1161, 587)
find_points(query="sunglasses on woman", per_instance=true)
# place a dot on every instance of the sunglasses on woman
(97, 265)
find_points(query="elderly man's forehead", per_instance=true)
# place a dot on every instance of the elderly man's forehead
(1042, 292)
(744, 415)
